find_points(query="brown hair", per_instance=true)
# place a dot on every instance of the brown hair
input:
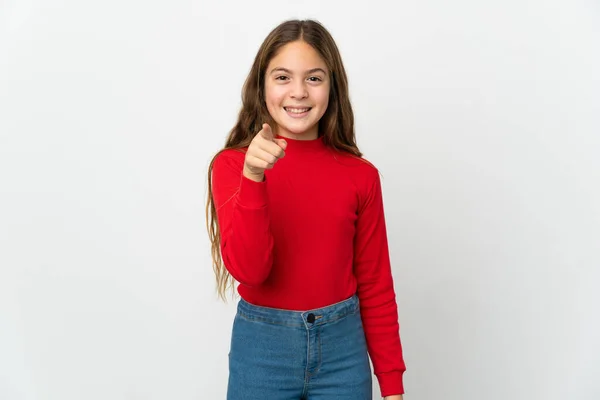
(336, 126)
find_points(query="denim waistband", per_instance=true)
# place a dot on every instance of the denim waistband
(308, 318)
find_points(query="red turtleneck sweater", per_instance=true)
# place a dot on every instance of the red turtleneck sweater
(313, 233)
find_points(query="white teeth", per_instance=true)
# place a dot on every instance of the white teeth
(297, 110)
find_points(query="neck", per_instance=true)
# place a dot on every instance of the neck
(311, 134)
(301, 146)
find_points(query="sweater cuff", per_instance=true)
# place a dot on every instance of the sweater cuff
(252, 194)
(391, 383)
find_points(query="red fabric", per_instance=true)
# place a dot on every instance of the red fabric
(313, 233)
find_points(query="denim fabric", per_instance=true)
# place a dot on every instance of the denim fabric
(316, 354)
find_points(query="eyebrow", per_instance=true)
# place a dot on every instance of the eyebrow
(310, 71)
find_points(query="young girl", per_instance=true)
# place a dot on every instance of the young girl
(296, 217)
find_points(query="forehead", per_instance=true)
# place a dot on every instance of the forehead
(297, 55)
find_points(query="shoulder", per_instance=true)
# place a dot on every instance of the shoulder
(234, 154)
(359, 167)
(229, 157)
(363, 175)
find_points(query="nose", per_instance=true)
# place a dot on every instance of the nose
(298, 90)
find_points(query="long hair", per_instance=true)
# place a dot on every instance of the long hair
(336, 126)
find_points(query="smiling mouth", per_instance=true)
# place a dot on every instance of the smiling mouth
(294, 110)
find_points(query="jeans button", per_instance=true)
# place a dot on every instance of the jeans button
(310, 318)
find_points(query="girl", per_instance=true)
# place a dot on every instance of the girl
(296, 217)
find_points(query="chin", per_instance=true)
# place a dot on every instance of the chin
(297, 130)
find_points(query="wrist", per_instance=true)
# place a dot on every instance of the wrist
(252, 176)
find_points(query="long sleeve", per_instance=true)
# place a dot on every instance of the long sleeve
(376, 291)
(244, 221)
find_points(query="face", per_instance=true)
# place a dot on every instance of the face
(297, 90)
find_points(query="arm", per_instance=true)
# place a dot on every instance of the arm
(244, 221)
(376, 290)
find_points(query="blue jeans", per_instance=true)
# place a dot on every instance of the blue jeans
(318, 354)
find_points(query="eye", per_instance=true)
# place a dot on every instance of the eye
(281, 78)
(315, 79)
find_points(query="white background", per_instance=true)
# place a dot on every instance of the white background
(483, 118)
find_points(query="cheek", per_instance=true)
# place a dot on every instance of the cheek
(273, 95)
(322, 97)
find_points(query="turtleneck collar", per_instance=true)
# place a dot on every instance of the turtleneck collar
(298, 145)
